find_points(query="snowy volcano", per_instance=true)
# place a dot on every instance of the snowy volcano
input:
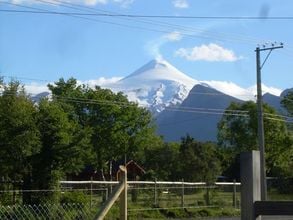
(156, 85)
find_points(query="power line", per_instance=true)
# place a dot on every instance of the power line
(190, 93)
(219, 94)
(207, 109)
(271, 114)
(24, 78)
(278, 119)
(158, 16)
(203, 34)
(106, 102)
(223, 112)
(206, 112)
(44, 11)
(79, 15)
(154, 22)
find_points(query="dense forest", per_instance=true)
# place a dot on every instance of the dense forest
(78, 126)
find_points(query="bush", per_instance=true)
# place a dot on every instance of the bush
(74, 197)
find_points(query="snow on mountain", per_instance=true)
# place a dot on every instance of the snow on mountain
(156, 85)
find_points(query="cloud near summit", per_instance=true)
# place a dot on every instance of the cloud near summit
(208, 52)
(154, 47)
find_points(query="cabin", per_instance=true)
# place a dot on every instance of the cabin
(134, 171)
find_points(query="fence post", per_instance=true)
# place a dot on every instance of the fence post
(91, 193)
(107, 194)
(250, 183)
(182, 194)
(155, 193)
(234, 194)
(207, 195)
(120, 190)
(123, 196)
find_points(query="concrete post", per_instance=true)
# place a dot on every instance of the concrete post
(250, 183)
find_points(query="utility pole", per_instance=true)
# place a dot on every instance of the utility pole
(261, 140)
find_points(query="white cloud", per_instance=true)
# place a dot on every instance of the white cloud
(102, 81)
(265, 89)
(153, 47)
(231, 89)
(173, 36)
(211, 52)
(180, 3)
(236, 91)
(34, 88)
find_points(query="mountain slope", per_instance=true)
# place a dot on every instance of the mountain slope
(194, 115)
(273, 101)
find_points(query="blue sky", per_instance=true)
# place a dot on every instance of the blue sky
(47, 47)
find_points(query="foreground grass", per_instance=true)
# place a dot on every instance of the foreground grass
(137, 212)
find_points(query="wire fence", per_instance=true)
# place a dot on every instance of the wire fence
(46, 211)
(83, 199)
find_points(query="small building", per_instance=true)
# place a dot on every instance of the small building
(134, 171)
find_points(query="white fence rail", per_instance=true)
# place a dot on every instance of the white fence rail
(152, 183)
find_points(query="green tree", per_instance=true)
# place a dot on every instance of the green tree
(199, 161)
(287, 156)
(118, 126)
(240, 133)
(287, 102)
(65, 146)
(162, 162)
(19, 135)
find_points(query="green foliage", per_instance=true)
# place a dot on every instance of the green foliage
(65, 145)
(162, 162)
(190, 160)
(19, 135)
(80, 126)
(118, 126)
(65, 148)
(287, 102)
(75, 197)
(200, 161)
(238, 134)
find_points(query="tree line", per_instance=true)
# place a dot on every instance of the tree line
(78, 126)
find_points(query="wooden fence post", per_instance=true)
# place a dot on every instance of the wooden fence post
(182, 194)
(123, 196)
(234, 194)
(120, 190)
(155, 193)
(91, 193)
